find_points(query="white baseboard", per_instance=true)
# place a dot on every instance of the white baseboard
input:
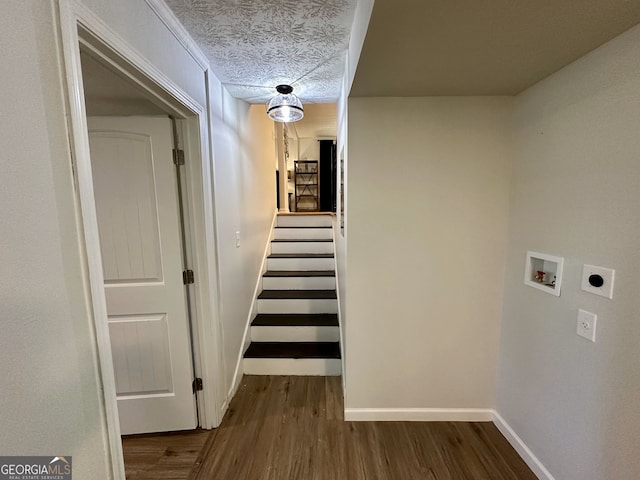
(452, 415)
(418, 414)
(518, 444)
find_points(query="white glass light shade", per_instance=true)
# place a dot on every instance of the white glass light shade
(285, 108)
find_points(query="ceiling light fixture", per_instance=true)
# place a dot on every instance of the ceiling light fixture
(285, 107)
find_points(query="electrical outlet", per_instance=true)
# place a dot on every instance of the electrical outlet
(237, 239)
(587, 325)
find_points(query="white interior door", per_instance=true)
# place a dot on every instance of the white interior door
(137, 207)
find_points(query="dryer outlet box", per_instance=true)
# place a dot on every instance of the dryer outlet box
(598, 280)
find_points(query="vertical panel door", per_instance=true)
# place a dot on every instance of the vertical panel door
(137, 207)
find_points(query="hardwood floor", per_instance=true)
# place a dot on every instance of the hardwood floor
(162, 456)
(292, 428)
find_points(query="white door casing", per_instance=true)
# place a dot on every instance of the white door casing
(139, 228)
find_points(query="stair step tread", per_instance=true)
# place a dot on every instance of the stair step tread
(295, 320)
(297, 240)
(293, 350)
(307, 226)
(297, 295)
(299, 273)
(301, 255)
(305, 214)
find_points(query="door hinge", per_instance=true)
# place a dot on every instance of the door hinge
(187, 277)
(197, 385)
(178, 157)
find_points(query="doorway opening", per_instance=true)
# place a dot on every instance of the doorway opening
(307, 152)
(128, 123)
(138, 191)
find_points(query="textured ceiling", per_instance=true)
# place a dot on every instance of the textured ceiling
(472, 47)
(254, 45)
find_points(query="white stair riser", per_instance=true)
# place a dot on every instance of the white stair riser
(304, 221)
(303, 233)
(289, 264)
(295, 334)
(302, 247)
(298, 283)
(292, 366)
(298, 306)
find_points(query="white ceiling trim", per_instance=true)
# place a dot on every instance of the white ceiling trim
(166, 16)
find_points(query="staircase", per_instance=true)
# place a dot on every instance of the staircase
(296, 329)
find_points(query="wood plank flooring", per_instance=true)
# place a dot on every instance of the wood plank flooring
(167, 456)
(292, 428)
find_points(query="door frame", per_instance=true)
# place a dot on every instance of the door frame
(79, 26)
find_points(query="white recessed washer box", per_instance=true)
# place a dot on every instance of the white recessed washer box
(598, 280)
(544, 272)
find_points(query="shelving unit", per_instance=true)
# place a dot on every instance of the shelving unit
(306, 186)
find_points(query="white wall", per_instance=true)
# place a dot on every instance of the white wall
(50, 401)
(141, 28)
(292, 136)
(245, 197)
(309, 149)
(576, 193)
(428, 185)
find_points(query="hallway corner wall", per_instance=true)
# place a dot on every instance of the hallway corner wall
(575, 194)
(245, 199)
(361, 18)
(428, 182)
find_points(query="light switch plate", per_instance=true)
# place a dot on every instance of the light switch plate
(587, 325)
(605, 289)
